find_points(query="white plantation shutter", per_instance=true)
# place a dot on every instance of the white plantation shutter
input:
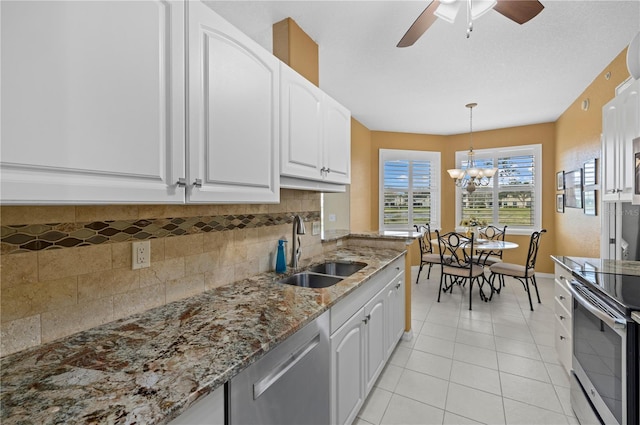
(409, 189)
(515, 190)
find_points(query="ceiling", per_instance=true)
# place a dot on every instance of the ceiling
(518, 74)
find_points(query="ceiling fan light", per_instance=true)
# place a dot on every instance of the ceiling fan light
(480, 7)
(447, 11)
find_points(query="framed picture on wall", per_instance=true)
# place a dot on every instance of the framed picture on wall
(560, 180)
(590, 173)
(573, 189)
(560, 203)
(590, 202)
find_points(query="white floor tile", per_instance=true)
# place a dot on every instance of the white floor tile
(478, 377)
(439, 331)
(375, 406)
(548, 354)
(530, 391)
(522, 366)
(519, 333)
(564, 395)
(405, 411)
(525, 414)
(558, 375)
(389, 377)
(430, 364)
(474, 325)
(475, 404)
(475, 339)
(453, 419)
(517, 348)
(400, 356)
(359, 421)
(433, 345)
(475, 355)
(424, 388)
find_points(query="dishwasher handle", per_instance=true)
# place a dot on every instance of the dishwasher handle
(276, 373)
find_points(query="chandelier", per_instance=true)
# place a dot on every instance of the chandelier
(472, 176)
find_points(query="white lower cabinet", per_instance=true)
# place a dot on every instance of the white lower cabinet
(563, 313)
(208, 411)
(365, 328)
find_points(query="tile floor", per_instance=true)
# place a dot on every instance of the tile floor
(495, 364)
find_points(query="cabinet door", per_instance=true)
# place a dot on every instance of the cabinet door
(347, 370)
(233, 140)
(395, 321)
(337, 142)
(610, 151)
(629, 130)
(375, 338)
(301, 126)
(92, 102)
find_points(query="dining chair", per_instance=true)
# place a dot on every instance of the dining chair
(492, 233)
(426, 249)
(525, 273)
(457, 263)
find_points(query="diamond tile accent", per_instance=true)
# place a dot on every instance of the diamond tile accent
(37, 237)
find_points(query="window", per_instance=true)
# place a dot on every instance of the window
(409, 189)
(515, 189)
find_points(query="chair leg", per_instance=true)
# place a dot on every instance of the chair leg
(470, 292)
(419, 271)
(528, 293)
(535, 285)
(440, 289)
(429, 272)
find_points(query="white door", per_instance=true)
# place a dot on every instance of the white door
(398, 308)
(92, 101)
(376, 350)
(233, 140)
(301, 126)
(347, 370)
(610, 151)
(337, 142)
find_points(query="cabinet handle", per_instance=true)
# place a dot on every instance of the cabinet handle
(182, 182)
(562, 338)
(198, 183)
(367, 318)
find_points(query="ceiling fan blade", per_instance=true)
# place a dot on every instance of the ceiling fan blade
(519, 11)
(421, 24)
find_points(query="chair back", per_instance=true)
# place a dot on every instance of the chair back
(425, 240)
(455, 249)
(534, 244)
(492, 233)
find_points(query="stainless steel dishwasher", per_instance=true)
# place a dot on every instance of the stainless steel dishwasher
(289, 385)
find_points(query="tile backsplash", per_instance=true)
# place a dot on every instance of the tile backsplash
(65, 269)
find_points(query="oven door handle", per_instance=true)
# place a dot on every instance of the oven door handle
(617, 323)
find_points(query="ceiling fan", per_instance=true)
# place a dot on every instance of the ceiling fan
(519, 11)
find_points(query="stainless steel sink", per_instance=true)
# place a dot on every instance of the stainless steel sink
(337, 268)
(311, 280)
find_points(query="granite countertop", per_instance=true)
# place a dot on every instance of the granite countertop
(597, 265)
(150, 367)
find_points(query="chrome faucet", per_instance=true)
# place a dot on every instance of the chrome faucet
(296, 251)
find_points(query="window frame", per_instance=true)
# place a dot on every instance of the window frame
(436, 193)
(494, 153)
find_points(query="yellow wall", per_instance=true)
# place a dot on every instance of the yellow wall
(578, 140)
(360, 178)
(543, 134)
(295, 48)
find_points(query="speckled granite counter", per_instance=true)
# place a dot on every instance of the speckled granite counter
(149, 368)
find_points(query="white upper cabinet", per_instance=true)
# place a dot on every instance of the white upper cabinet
(233, 142)
(92, 102)
(620, 125)
(94, 105)
(315, 134)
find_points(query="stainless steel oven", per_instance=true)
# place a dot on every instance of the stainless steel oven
(604, 389)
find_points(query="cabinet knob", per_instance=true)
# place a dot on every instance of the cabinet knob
(561, 297)
(328, 170)
(562, 317)
(198, 183)
(398, 286)
(366, 319)
(563, 278)
(182, 182)
(562, 338)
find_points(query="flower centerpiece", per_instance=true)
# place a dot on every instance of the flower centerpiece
(472, 225)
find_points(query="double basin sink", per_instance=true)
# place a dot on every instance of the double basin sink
(323, 275)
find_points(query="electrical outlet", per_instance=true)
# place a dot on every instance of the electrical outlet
(332, 217)
(141, 255)
(315, 228)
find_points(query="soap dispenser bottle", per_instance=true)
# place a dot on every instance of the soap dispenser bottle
(281, 263)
